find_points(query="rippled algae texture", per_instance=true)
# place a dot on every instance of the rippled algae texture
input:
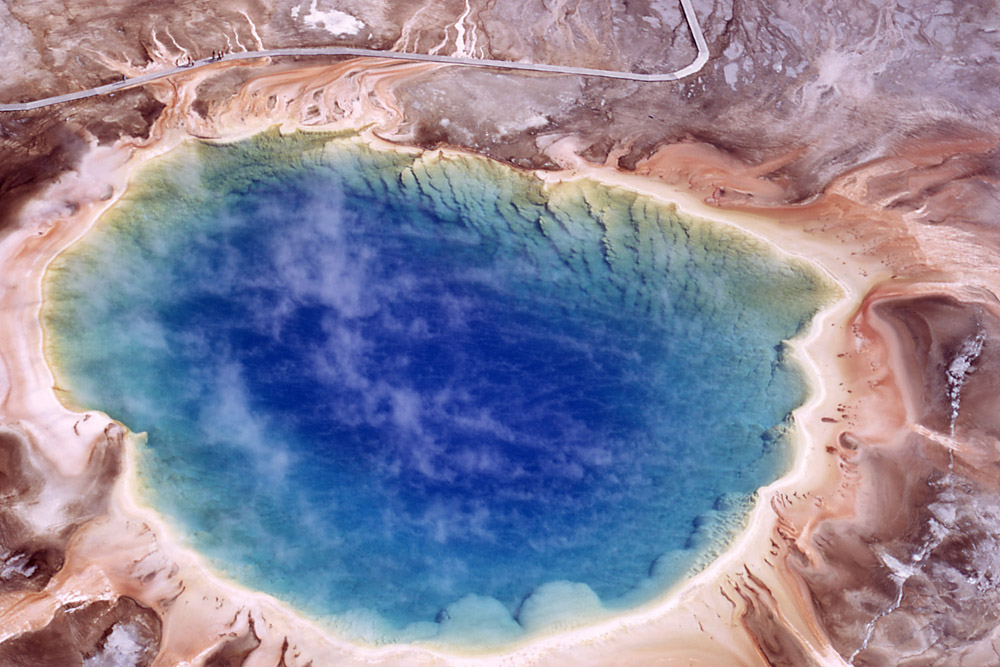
(646, 398)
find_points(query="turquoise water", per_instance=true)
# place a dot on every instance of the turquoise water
(431, 398)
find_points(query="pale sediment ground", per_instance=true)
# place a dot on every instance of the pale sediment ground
(723, 615)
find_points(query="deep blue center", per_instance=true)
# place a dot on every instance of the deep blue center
(386, 398)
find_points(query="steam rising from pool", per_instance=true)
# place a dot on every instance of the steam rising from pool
(431, 397)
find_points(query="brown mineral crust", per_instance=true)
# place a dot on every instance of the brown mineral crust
(27, 561)
(930, 332)
(939, 604)
(236, 649)
(86, 632)
(848, 583)
(18, 481)
(131, 116)
(85, 44)
(784, 77)
(219, 87)
(31, 554)
(773, 639)
(307, 95)
(873, 205)
(39, 146)
(908, 573)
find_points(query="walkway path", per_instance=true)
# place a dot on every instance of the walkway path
(692, 20)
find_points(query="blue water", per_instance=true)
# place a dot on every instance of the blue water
(431, 398)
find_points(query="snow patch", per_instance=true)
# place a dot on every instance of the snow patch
(122, 648)
(960, 367)
(12, 565)
(333, 21)
(731, 71)
(534, 122)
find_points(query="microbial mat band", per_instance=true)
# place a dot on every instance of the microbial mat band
(431, 397)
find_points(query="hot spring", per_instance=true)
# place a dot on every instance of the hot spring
(430, 397)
